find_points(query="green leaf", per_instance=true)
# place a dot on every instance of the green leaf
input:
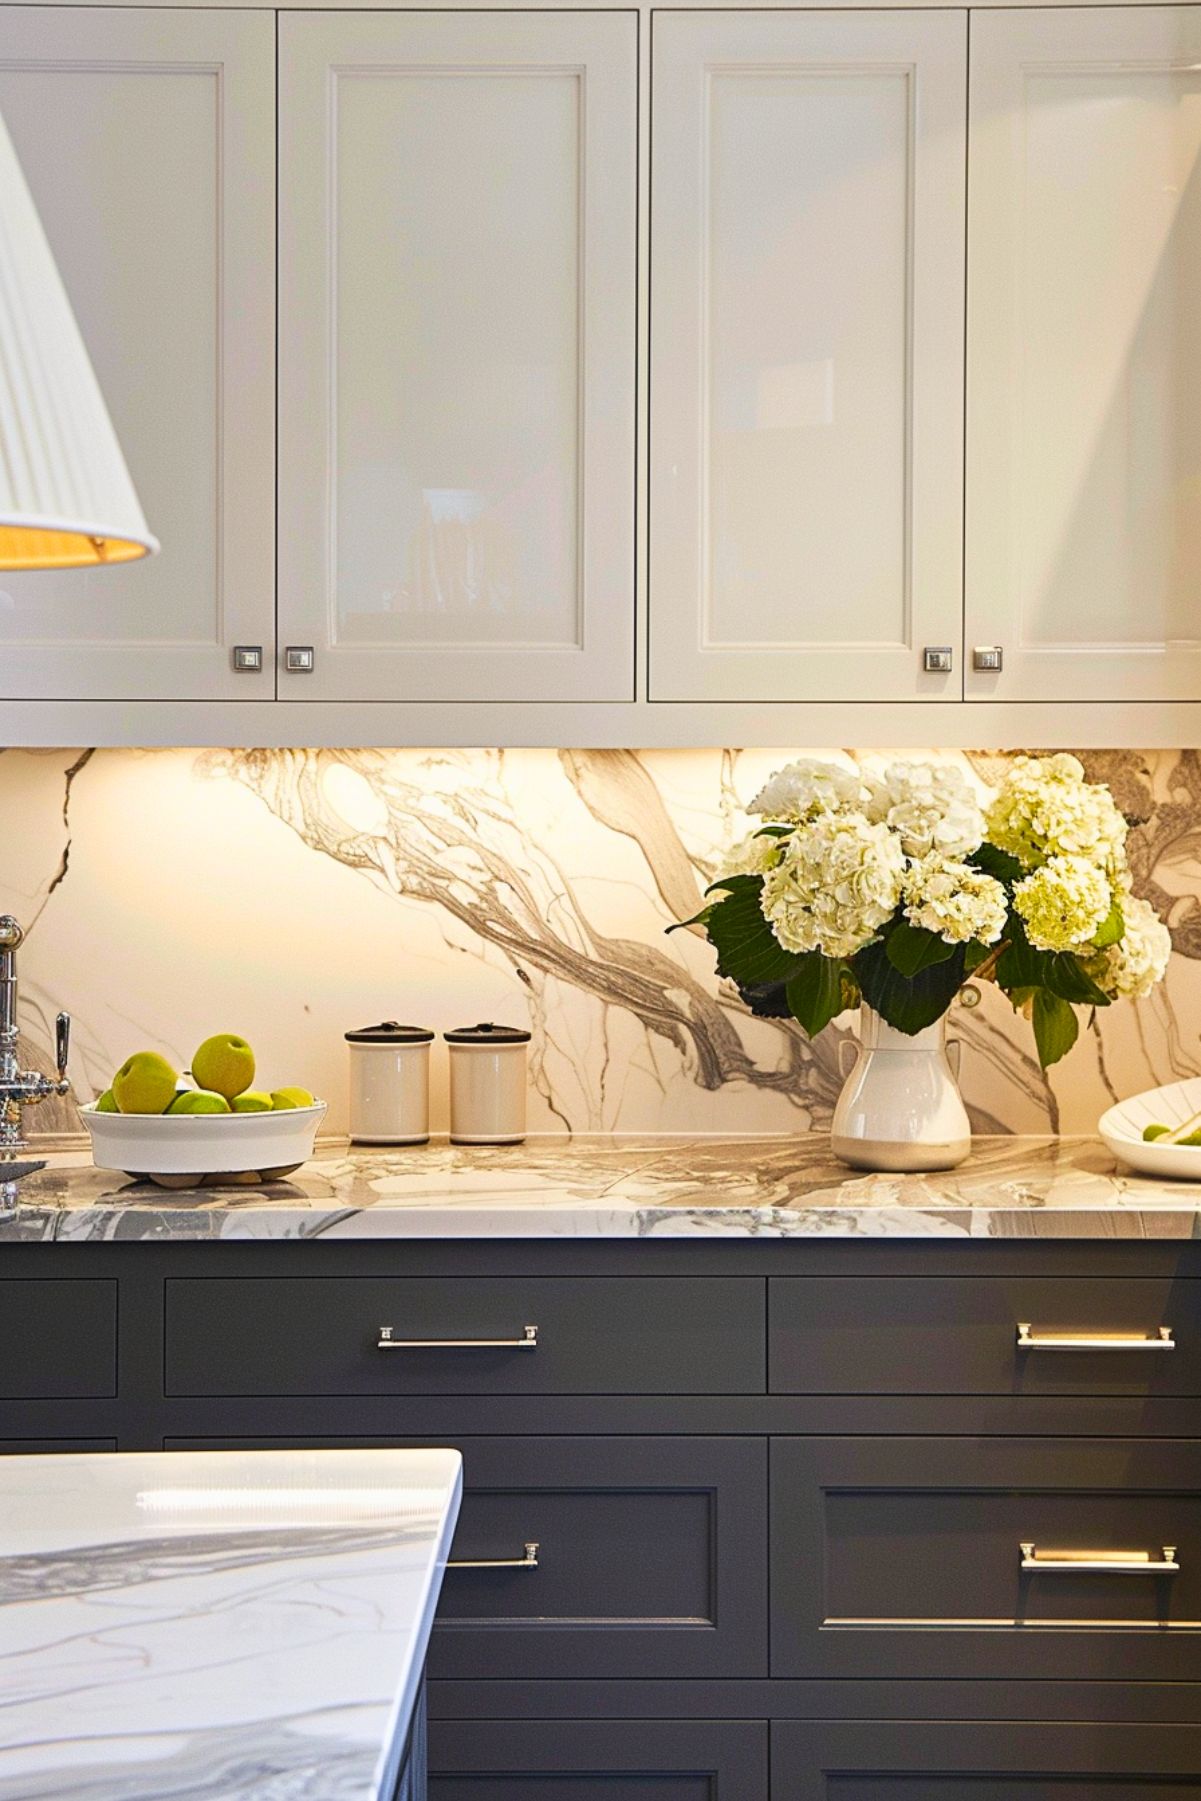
(976, 954)
(698, 919)
(912, 948)
(1020, 965)
(1056, 1027)
(1112, 929)
(747, 948)
(815, 991)
(1068, 980)
(997, 863)
(735, 884)
(909, 1003)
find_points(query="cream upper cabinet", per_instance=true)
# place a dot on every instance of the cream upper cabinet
(1084, 353)
(148, 140)
(806, 354)
(458, 290)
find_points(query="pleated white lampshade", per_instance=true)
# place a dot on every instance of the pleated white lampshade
(66, 498)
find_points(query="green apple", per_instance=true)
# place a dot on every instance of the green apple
(199, 1100)
(1151, 1133)
(224, 1064)
(282, 1099)
(145, 1083)
(105, 1102)
(253, 1101)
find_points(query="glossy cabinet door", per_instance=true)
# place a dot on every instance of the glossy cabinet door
(806, 354)
(148, 140)
(1084, 353)
(457, 355)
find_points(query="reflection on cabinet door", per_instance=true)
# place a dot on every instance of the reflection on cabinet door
(148, 140)
(913, 1760)
(457, 305)
(1084, 356)
(806, 355)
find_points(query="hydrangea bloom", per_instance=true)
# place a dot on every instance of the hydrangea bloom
(1129, 970)
(753, 855)
(931, 806)
(1064, 903)
(955, 901)
(805, 788)
(835, 886)
(1045, 808)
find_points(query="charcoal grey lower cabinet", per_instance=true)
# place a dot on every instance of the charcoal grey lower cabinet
(827, 1520)
(611, 1760)
(945, 1558)
(869, 1760)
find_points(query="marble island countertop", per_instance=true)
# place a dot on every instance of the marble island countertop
(228, 1624)
(612, 1187)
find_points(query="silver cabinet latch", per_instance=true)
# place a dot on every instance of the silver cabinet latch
(938, 659)
(248, 658)
(298, 659)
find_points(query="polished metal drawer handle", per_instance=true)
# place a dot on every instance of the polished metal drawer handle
(1030, 1340)
(528, 1562)
(528, 1342)
(1102, 1563)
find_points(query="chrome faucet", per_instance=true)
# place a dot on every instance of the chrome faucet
(22, 1087)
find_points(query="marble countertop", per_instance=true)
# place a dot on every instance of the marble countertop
(225, 1624)
(610, 1187)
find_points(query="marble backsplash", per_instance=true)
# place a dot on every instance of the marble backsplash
(290, 895)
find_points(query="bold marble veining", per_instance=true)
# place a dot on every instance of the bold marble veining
(291, 894)
(225, 1626)
(604, 1187)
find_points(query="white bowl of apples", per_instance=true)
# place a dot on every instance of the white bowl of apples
(1158, 1133)
(219, 1128)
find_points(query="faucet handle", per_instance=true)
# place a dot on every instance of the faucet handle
(11, 933)
(62, 1047)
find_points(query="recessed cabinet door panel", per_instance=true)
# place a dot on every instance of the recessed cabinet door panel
(148, 140)
(806, 354)
(457, 305)
(915, 1760)
(944, 1558)
(576, 1760)
(1084, 353)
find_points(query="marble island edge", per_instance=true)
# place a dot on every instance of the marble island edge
(598, 1186)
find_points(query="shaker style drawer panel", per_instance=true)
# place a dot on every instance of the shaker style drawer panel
(596, 1557)
(984, 1335)
(58, 1339)
(929, 1557)
(472, 1335)
(873, 1760)
(574, 1760)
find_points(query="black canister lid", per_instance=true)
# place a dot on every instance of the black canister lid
(389, 1032)
(487, 1033)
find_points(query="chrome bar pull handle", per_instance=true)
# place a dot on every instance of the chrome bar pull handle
(62, 1048)
(528, 1562)
(527, 1342)
(1030, 1340)
(1099, 1563)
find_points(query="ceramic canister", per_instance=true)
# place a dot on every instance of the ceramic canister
(390, 1084)
(487, 1084)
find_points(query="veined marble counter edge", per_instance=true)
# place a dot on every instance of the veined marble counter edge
(616, 1187)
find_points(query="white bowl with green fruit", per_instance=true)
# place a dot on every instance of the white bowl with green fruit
(153, 1124)
(1158, 1133)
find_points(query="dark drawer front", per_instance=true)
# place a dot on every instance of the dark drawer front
(578, 1760)
(867, 1760)
(650, 1558)
(902, 1557)
(595, 1335)
(58, 1340)
(960, 1335)
(38, 1447)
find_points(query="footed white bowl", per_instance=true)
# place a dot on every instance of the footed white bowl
(1122, 1129)
(196, 1145)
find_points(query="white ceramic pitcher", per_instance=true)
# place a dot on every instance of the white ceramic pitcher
(900, 1106)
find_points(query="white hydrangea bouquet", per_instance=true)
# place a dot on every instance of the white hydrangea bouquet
(897, 888)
